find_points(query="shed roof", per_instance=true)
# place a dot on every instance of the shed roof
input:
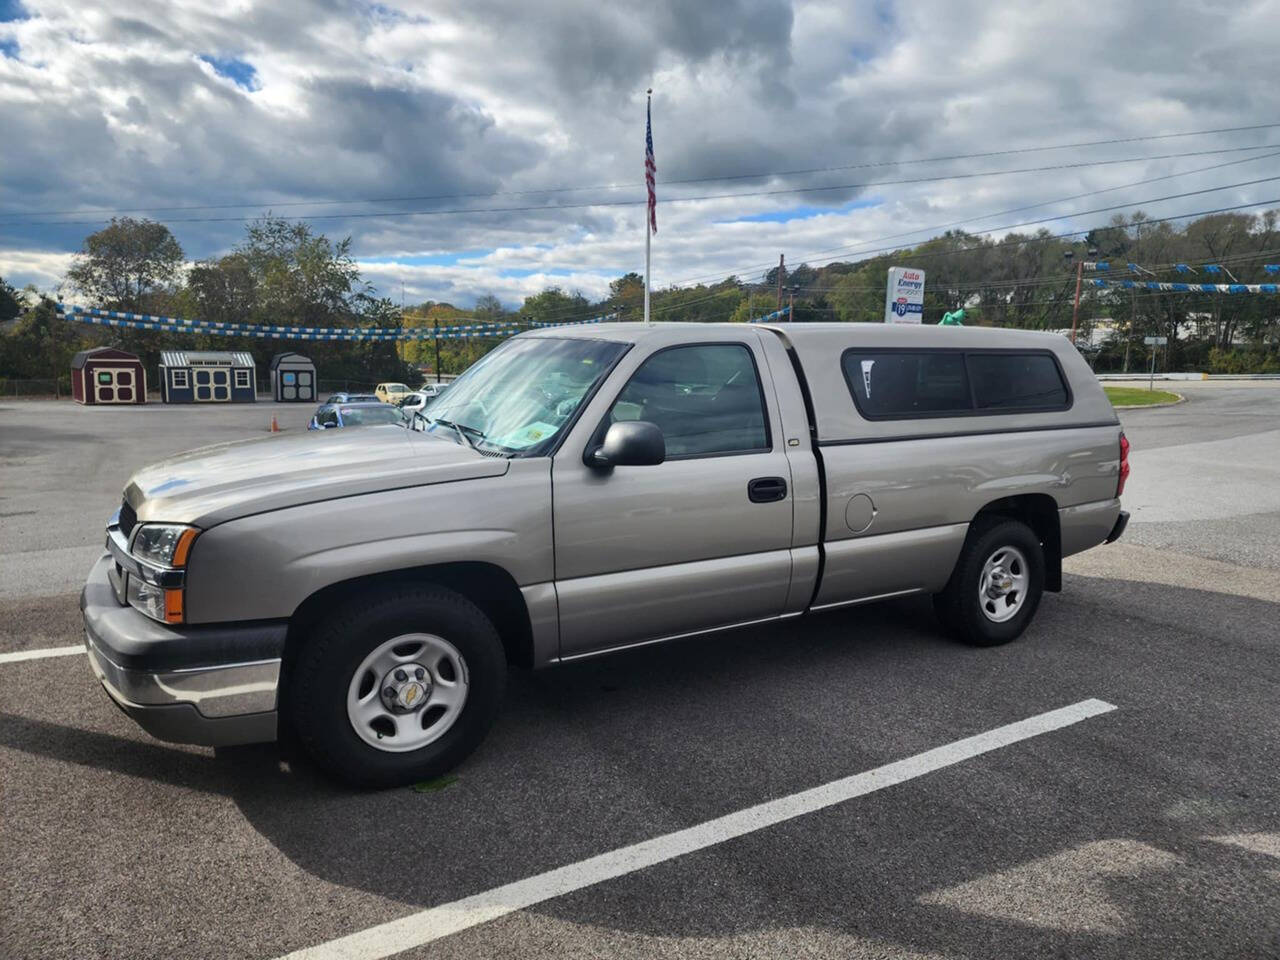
(185, 358)
(100, 353)
(289, 357)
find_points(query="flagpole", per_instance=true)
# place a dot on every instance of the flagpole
(647, 107)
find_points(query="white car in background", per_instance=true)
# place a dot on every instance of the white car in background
(419, 400)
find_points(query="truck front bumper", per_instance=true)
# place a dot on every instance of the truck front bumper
(213, 685)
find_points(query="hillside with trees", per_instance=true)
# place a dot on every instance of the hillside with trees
(284, 272)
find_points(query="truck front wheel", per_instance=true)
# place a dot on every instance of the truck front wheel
(997, 583)
(399, 685)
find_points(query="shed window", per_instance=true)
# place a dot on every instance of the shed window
(104, 377)
(180, 379)
(242, 379)
(905, 384)
(290, 379)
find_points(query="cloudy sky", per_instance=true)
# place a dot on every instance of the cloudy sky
(203, 113)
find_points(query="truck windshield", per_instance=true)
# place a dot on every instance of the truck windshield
(515, 400)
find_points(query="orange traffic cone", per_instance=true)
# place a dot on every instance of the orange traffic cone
(275, 427)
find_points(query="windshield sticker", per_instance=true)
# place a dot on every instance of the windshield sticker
(526, 436)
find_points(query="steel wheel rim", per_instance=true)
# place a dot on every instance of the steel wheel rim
(1003, 583)
(409, 720)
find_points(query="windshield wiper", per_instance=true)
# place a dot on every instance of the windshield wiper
(463, 431)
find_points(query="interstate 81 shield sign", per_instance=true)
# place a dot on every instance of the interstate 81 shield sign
(904, 296)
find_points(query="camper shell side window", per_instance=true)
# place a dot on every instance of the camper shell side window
(907, 384)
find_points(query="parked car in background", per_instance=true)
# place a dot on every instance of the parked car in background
(413, 403)
(392, 392)
(344, 397)
(419, 400)
(329, 415)
(367, 593)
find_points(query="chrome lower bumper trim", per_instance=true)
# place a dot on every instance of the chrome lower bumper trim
(221, 691)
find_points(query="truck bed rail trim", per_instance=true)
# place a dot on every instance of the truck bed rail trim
(899, 437)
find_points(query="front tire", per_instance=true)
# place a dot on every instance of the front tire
(398, 685)
(996, 586)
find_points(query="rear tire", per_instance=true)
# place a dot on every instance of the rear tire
(996, 586)
(340, 700)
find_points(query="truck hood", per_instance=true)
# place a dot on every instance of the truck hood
(214, 484)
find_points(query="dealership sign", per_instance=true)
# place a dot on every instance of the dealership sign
(904, 296)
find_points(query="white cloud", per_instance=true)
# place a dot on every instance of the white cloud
(442, 97)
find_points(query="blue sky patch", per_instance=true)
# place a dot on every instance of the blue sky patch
(9, 48)
(805, 212)
(11, 10)
(239, 72)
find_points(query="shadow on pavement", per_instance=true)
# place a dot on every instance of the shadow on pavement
(600, 754)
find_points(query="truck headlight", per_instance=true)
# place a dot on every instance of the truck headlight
(163, 544)
(162, 549)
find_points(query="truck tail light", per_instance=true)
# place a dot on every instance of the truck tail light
(1124, 463)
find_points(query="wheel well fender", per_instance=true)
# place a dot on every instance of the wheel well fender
(488, 586)
(1039, 511)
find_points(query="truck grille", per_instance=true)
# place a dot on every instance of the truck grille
(128, 518)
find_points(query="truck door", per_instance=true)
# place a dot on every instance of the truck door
(697, 542)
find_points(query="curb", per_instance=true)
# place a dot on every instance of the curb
(1151, 406)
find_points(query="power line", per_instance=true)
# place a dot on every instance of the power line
(549, 190)
(986, 216)
(613, 203)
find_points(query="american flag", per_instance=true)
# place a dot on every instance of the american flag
(650, 168)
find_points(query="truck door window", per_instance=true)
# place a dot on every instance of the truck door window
(706, 398)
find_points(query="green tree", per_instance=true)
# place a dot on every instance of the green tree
(126, 264)
(553, 305)
(10, 306)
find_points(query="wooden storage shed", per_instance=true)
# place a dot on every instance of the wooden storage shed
(108, 375)
(207, 376)
(293, 378)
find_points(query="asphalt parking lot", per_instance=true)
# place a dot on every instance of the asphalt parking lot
(1149, 830)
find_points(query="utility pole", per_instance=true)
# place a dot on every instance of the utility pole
(435, 326)
(1075, 311)
(782, 268)
(1133, 319)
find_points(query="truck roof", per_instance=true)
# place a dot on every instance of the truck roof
(835, 334)
(820, 347)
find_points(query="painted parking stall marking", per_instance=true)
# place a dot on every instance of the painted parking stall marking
(436, 923)
(41, 654)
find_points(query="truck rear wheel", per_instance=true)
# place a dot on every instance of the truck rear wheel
(997, 583)
(399, 685)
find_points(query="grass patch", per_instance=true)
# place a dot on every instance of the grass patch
(1137, 397)
(439, 783)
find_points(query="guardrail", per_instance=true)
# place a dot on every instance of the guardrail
(1139, 375)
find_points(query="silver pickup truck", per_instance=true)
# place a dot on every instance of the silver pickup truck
(585, 490)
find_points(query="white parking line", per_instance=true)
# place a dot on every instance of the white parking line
(41, 654)
(421, 928)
